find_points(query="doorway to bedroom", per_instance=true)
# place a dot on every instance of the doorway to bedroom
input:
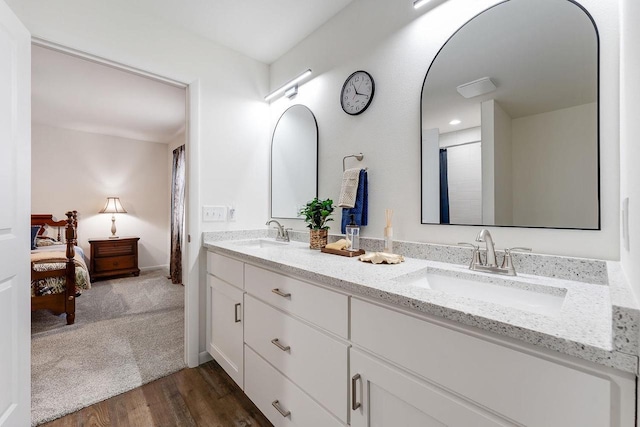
(99, 132)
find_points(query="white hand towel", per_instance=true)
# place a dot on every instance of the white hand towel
(349, 188)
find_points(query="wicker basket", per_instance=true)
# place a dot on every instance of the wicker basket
(318, 238)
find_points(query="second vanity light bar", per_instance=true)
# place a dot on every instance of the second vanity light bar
(420, 3)
(288, 85)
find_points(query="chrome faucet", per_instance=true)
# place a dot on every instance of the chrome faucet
(490, 264)
(283, 233)
(485, 237)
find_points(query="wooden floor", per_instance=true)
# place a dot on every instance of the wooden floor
(202, 396)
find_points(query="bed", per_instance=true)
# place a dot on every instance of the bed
(58, 270)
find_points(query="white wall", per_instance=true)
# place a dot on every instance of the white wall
(79, 170)
(565, 192)
(396, 44)
(630, 136)
(503, 174)
(431, 176)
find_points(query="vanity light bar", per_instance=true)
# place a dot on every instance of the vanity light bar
(419, 3)
(288, 85)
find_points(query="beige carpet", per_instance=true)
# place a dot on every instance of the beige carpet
(128, 332)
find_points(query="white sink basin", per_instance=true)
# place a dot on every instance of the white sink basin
(539, 299)
(260, 243)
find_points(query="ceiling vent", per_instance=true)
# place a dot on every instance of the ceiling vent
(476, 87)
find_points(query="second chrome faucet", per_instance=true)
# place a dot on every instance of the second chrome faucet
(490, 264)
(283, 233)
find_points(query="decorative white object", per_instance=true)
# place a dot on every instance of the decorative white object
(381, 257)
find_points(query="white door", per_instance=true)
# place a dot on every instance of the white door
(15, 206)
(383, 396)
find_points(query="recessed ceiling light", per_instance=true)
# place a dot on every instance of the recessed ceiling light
(420, 3)
(455, 122)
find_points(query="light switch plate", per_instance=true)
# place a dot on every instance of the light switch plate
(214, 213)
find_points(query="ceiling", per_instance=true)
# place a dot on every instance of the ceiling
(261, 29)
(77, 94)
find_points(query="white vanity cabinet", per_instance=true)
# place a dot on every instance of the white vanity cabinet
(225, 280)
(479, 375)
(307, 355)
(283, 340)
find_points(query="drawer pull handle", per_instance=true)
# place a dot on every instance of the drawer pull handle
(276, 342)
(279, 292)
(237, 306)
(276, 404)
(354, 404)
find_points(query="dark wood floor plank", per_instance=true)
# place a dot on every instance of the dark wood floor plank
(94, 416)
(200, 397)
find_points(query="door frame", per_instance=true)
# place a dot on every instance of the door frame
(191, 256)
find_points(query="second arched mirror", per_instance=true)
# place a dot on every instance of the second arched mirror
(510, 120)
(294, 162)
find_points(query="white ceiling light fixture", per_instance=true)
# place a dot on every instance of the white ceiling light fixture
(476, 87)
(455, 122)
(290, 84)
(419, 3)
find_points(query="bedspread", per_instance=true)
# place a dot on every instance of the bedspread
(56, 260)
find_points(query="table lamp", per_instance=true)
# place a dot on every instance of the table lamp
(113, 206)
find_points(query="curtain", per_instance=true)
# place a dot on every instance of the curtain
(177, 214)
(444, 188)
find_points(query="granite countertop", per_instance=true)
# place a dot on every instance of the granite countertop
(597, 321)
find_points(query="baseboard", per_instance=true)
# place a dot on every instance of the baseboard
(204, 357)
(155, 267)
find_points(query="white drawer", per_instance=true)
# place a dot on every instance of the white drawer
(227, 269)
(314, 361)
(327, 309)
(265, 385)
(530, 390)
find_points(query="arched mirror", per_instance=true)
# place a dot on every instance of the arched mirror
(294, 162)
(510, 120)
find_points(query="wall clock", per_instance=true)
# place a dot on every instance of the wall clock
(357, 93)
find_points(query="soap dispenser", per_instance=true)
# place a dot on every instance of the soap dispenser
(353, 235)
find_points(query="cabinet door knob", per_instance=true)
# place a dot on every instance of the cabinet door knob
(276, 404)
(276, 342)
(279, 292)
(354, 404)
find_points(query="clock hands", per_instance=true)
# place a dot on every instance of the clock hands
(356, 91)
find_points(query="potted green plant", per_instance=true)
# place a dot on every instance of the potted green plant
(316, 214)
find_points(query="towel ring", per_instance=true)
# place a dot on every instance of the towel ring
(358, 156)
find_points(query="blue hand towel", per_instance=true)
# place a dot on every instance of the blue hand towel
(360, 211)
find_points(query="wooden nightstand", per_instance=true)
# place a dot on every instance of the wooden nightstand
(114, 257)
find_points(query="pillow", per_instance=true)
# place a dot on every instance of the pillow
(35, 229)
(47, 241)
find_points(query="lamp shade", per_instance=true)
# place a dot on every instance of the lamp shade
(113, 205)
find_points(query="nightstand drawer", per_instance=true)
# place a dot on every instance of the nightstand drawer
(115, 263)
(115, 249)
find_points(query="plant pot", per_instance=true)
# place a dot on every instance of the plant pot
(318, 238)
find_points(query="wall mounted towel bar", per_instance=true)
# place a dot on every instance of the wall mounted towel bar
(358, 156)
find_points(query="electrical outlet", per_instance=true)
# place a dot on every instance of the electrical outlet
(214, 213)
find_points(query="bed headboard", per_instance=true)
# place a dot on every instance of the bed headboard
(46, 220)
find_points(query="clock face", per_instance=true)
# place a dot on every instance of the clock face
(357, 93)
